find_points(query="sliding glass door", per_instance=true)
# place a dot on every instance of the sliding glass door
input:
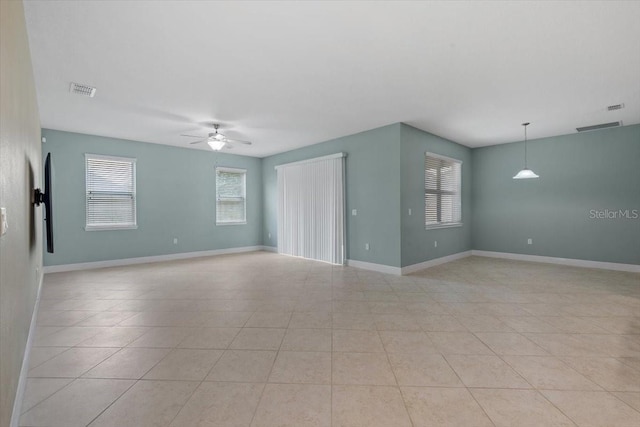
(311, 209)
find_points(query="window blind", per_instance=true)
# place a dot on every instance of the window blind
(311, 219)
(231, 196)
(110, 192)
(442, 195)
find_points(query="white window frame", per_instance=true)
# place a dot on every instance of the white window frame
(244, 196)
(93, 227)
(458, 193)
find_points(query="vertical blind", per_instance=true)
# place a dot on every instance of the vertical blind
(110, 192)
(311, 209)
(442, 198)
(231, 196)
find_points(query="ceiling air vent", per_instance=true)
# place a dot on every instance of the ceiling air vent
(615, 107)
(600, 126)
(84, 90)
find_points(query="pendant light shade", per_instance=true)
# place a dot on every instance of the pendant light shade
(525, 173)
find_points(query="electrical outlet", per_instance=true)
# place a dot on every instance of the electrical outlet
(175, 240)
(354, 212)
(529, 241)
(269, 236)
(366, 246)
(435, 243)
(409, 211)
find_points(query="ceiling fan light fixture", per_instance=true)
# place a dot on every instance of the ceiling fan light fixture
(525, 173)
(216, 135)
(217, 141)
(216, 144)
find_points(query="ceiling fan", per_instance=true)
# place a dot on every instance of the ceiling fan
(216, 140)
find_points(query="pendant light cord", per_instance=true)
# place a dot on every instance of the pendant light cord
(525, 144)
(526, 172)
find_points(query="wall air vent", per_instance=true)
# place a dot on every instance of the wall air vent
(83, 90)
(615, 107)
(600, 126)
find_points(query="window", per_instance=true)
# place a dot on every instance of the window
(111, 192)
(442, 180)
(231, 203)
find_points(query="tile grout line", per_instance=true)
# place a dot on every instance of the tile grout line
(621, 400)
(331, 359)
(112, 403)
(404, 403)
(135, 381)
(533, 388)
(467, 389)
(255, 411)
(24, 411)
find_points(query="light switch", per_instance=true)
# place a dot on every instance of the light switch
(354, 212)
(3, 221)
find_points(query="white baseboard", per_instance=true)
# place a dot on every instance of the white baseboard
(22, 379)
(381, 268)
(433, 262)
(633, 268)
(147, 259)
(270, 249)
(401, 271)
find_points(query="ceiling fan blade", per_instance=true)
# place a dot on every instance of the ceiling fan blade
(239, 141)
(192, 136)
(197, 142)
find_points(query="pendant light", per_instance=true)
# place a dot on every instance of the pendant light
(525, 173)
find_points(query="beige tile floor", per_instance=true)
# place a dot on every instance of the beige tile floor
(264, 340)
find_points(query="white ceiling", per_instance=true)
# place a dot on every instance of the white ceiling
(289, 74)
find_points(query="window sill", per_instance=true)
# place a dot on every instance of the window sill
(231, 223)
(447, 225)
(110, 227)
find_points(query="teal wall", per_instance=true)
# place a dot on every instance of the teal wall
(579, 172)
(175, 198)
(372, 187)
(384, 179)
(418, 242)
